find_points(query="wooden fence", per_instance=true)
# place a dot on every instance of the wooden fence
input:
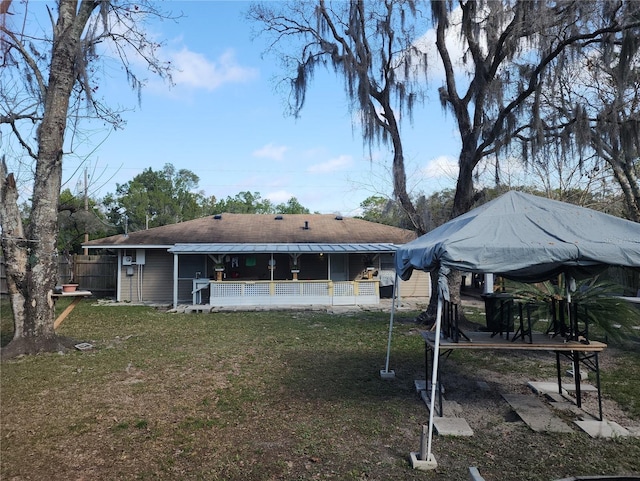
(94, 273)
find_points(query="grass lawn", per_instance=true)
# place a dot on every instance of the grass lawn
(269, 396)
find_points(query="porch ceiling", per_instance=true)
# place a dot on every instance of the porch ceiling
(218, 248)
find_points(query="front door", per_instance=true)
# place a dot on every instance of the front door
(339, 267)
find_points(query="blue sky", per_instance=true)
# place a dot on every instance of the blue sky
(224, 120)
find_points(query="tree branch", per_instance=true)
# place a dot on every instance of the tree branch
(535, 81)
(17, 44)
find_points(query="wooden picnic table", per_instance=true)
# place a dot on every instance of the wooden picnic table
(585, 353)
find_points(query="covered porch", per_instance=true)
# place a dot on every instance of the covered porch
(227, 275)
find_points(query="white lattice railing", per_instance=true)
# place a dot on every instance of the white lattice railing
(284, 293)
(342, 289)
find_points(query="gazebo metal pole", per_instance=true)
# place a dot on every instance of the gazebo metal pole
(393, 310)
(573, 328)
(567, 281)
(434, 374)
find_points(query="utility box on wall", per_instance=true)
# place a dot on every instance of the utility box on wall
(140, 257)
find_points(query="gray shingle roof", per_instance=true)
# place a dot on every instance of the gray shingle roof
(263, 229)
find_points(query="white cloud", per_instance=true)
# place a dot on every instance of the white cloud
(271, 151)
(443, 166)
(280, 196)
(194, 70)
(189, 69)
(332, 165)
(427, 44)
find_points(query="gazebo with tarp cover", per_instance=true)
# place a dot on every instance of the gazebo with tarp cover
(521, 237)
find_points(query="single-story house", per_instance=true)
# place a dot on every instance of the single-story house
(260, 259)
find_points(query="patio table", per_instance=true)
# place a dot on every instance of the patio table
(578, 352)
(77, 297)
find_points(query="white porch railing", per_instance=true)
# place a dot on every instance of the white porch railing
(293, 293)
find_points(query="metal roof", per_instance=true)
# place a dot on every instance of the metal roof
(224, 248)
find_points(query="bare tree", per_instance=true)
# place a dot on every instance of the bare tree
(370, 44)
(47, 85)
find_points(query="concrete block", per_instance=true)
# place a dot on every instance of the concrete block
(387, 375)
(423, 465)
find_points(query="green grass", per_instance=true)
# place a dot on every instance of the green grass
(268, 395)
(623, 381)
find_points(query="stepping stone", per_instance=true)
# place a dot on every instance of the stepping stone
(483, 386)
(602, 429)
(422, 385)
(474, 474)
(571, 387)
(546, 387)
(554, 397)
(634, 431)
(569, 407)
(451, 426)
(552, 387)
(536, 414)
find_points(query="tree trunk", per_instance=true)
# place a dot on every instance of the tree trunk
(464, 196)
(625, 175)
(400, 179)
(463, 201)
(32, 258)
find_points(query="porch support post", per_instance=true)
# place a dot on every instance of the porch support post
(175, 281)
(119, 280)
(272, 267)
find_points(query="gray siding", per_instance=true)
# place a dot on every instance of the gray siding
(418, 286)
(152, 282)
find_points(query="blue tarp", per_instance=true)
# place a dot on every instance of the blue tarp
(526, 238)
